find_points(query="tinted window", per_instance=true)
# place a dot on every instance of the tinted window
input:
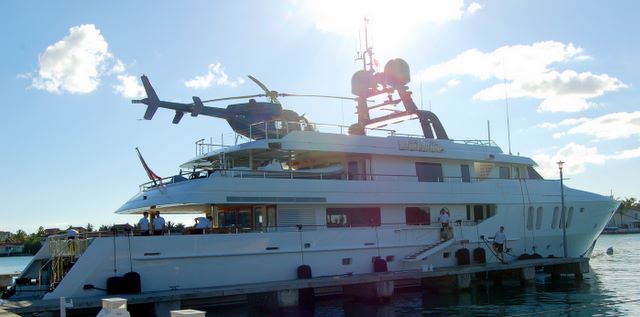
(429, 172)
(505, 172)
(353, 217)
(478, 212)
(417, 216)
(466, 176)
(533, 174)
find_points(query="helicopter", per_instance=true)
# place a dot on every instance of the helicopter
(244, 118)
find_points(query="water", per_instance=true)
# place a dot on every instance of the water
(609, 290)
(13, 264)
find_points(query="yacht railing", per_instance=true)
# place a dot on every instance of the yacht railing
(277, 129)
(298, 174)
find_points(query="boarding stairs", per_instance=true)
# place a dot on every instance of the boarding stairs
(428, 250)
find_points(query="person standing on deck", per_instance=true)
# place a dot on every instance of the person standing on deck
(499, 241)
(158, 224)
(444, 221)
(143, 224)
(202, 224)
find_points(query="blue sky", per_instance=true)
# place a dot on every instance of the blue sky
(69, 70)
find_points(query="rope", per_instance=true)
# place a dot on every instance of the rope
(505, 251)
(492, 251)
(525, 219)
(526, 187)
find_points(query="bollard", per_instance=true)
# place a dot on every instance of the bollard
(187, 313)
(114, 307)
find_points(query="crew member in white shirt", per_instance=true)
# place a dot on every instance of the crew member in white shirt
(202, 223)
(158, 224)
(143, 224)
(499, 242)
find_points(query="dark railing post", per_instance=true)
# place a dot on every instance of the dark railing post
(563, 219)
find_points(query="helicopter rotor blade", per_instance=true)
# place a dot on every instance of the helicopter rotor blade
(317, 96)
(272, 94)
(236, 97)
(260, 84)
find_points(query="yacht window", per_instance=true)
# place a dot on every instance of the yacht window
(533, 174)
(429, 172)
(482, 170)
(259, 219)
(352, 170)
(530, 219)
(554, 223)
(466, 175)
(570, 217)
(353, 217)
(491, 211)
(227, 219)
(516, 173)
(505, 172)
(538, 218)
(240, 218)
(478, 212)
(417, 215)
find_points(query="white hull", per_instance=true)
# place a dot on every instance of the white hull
(196, 261)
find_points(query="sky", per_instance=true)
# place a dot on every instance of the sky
(566, 72)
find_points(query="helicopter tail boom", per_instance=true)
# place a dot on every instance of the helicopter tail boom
(152, 101)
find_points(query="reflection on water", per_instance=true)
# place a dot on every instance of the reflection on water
(609, 290)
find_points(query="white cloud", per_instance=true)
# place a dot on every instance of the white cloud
(453, 83)
(473, 8)
(129, 87)
(612, 126)
(527, 70)
(626, 154)
(215, 76)
(619, 125)
(565, 122)
(75, 63)
(577, 157)
(118, 68)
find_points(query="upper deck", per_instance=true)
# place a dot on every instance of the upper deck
(326, 139)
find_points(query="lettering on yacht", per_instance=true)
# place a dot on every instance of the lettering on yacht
(420, 146)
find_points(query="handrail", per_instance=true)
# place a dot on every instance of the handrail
(276, 129)
(301, 174)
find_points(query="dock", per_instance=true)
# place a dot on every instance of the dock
(282, 294)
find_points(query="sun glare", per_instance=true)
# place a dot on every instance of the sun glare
(391, 24)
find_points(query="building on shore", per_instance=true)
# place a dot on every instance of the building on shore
(8, 249)
(625, 220)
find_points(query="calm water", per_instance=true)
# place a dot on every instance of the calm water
(611, 289)
(13, 264)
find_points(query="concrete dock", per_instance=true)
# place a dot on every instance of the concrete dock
(282, 294)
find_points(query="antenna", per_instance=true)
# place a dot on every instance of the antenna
(488, 131)
(368, 50)
(506, 103)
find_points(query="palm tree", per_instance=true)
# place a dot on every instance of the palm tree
(19, 237)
